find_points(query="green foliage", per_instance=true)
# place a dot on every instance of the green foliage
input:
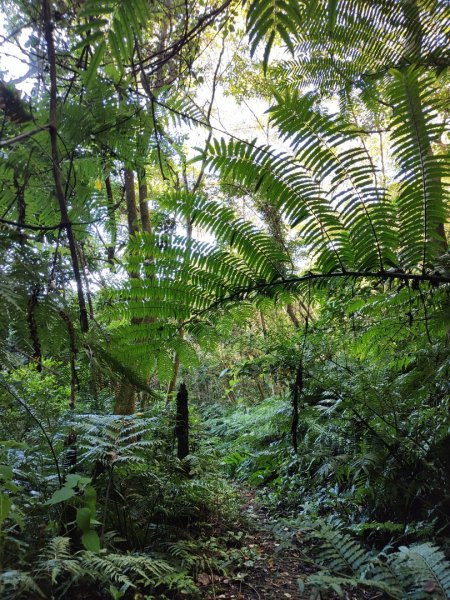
(412, 572)
(355, 373)
(113, 25)
(422, 171)
(351, 43)
(268, 21)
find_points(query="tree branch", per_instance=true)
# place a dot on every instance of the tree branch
(23, 136)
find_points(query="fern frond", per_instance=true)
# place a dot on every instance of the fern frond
(56, 560)
(127, 569)
(271, 20)
(294, 192)
(111, 25)
(365, 39)
(113, 439)
(341, 552)
(16, 584)
(423, 197)
(430, 569)
(330, 149)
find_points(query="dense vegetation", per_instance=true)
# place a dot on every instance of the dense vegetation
(224, 267)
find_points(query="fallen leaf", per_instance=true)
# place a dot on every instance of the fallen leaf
(203, 579)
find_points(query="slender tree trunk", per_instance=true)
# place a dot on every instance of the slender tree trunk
(173, 381)
(260, 387)
(32, 326)
(291, 313)
(112, 226)
(130, 197)
(297, 389)
(143, 204)
(74, 383)
(65, 221)
(125, 401)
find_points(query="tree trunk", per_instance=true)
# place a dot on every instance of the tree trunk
(143, 204)
(65, 221)
(125, 403)
(112, 225)
(130, 197)
(173, 381)
(182, 422)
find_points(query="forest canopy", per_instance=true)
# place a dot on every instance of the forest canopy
(224, 266)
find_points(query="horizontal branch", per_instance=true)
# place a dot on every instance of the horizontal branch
(60, 225)
(240, 294)
(384, 275)
(23, 136)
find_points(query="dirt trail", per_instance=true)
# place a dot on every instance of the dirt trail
(273, 575)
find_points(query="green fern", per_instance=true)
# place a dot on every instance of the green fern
(412, 572)
(112, 25)
(113, 440)
(269, 21)
(428, 569)
(15, 584)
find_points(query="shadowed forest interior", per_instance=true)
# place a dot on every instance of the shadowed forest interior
(224, 292)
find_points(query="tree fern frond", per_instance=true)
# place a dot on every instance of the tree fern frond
(367, 39)
(423, 197)
(280, 178)
(118, 23)
(329, 148)
(271, 20)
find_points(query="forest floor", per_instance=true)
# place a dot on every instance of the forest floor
(275, 572)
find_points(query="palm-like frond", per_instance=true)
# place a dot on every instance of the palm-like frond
(352, 41)
(330, 149)
(329, 185)
(281, 179)
(270, 20)
(184, 279)
(423, 197)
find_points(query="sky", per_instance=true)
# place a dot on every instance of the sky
(13, 63)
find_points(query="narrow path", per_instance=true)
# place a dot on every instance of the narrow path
(274, 573)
